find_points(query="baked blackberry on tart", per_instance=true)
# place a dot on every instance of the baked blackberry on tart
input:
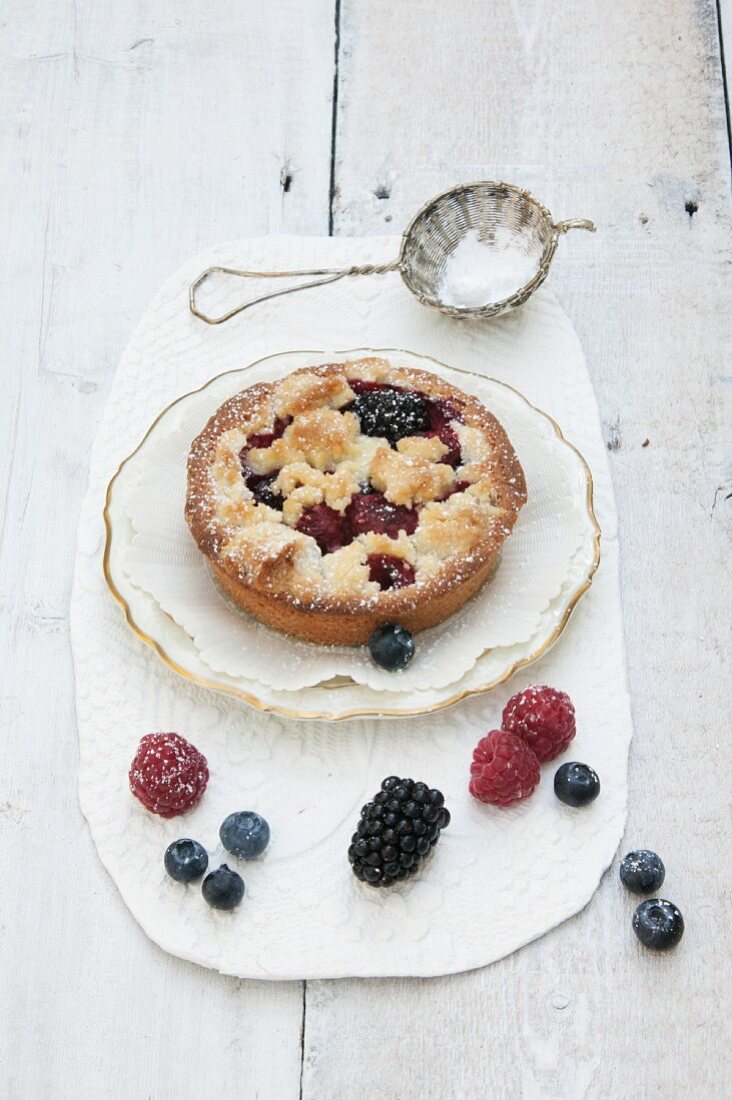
(350, 495)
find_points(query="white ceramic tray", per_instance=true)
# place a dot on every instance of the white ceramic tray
(498, 878)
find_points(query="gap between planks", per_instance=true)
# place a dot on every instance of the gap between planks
(331, 201)
(334, 114)
(723, 68)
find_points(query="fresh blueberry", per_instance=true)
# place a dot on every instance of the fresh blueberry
(263, 493)
(244, 834)
(576, 784)
(185, 860)
(223, 889)
(658, 924)
(392, 647)
(642, 872)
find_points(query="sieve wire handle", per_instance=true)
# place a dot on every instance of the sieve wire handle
(331, 275)
(575, 223)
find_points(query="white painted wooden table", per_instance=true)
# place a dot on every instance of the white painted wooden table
(131, 137)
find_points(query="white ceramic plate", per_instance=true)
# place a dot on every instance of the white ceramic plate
(163, 583)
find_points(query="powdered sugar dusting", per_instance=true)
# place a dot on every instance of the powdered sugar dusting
(437, 502)
(548, 549)
(479, 273)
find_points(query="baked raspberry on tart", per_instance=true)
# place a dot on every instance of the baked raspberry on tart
(345, 496)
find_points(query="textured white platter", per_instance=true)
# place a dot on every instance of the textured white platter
(498, 878)
(545, 567)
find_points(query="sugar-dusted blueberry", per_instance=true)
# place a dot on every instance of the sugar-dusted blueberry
(392, 647)
(244, 834)
(185, 860)
(658, 924)
(642, 871)
(263, 492)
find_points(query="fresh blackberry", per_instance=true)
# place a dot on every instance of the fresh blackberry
(391, 414)
(397, 830)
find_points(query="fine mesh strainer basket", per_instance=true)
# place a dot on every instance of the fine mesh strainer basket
(495, 212)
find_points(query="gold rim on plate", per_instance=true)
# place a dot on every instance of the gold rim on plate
(368, 712)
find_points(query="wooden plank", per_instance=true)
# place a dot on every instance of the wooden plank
(131, 137)
(616, 112)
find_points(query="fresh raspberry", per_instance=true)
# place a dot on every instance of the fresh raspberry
(326, 526)
(168, 774)
(371, 511)
(389, 571)
(544, 718)
(504, 769)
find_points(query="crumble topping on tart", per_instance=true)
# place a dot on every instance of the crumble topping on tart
(352, 486)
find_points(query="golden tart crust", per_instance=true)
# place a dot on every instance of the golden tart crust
(459, 517)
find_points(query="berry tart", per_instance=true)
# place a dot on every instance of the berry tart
(350, 495)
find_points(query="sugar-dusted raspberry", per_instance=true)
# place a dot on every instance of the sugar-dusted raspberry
(266, 439)
(168, 774)
(389, 571)
(326, 526)
(440, 414)
(504, 769)
(543, 717)
(454, 456)
(371, 511)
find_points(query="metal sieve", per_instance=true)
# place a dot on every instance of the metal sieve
(490, 208)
